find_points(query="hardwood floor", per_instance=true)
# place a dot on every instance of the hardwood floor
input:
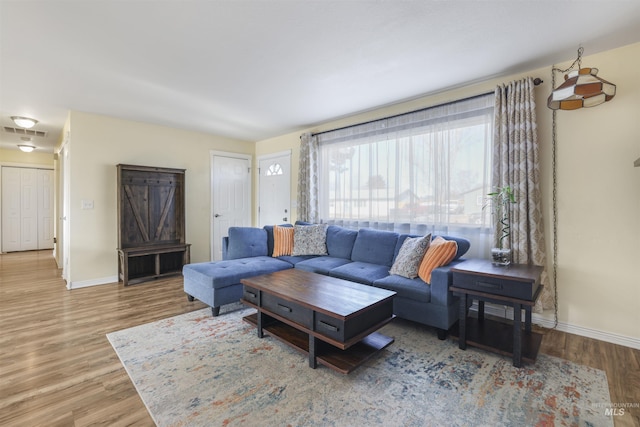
(58, 369)
(57, 366)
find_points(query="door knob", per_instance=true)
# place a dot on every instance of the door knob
(285, 219)
(216, 215)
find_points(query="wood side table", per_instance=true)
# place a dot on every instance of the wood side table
(517, 286)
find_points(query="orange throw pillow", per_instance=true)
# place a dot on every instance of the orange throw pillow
(441, 252)
(282, 240)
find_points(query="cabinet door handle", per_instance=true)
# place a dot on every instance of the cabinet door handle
(284, 308)
(329, 326)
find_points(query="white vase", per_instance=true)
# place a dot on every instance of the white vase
(501, 257)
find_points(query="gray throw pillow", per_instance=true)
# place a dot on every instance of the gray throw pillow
(410, 255)
(310, 240)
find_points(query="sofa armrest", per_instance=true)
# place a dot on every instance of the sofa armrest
(441, 279)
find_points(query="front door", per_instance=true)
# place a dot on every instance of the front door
(231, 196)
(275, 190)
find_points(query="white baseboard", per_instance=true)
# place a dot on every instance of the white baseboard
(92, 282)
(541, 320)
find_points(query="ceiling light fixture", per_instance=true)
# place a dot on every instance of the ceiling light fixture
(581, 88)
(26, 148)
(24, 122)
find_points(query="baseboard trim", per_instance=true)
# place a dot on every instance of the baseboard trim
(545, 322)
(92, 282)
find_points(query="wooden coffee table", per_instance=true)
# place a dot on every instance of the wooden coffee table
(333, 321)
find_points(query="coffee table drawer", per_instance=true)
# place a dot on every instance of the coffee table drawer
(287, 309)
(343, 330)
(504, 286)
(252, 295)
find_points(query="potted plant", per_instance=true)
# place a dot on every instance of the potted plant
(499, 201)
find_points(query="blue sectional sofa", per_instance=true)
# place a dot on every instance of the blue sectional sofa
(363, 256)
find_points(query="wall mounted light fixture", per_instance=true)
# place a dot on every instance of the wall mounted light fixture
(581, 88)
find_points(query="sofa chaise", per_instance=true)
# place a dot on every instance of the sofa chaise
(364, 256)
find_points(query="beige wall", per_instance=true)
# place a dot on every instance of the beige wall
(21, 158)
(96, 145)
(598, 191)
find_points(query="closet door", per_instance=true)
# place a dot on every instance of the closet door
(27, 209)
(11, 218)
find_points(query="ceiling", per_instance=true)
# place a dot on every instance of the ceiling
(256, 69)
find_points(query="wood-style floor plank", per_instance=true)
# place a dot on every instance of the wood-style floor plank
(57, 367)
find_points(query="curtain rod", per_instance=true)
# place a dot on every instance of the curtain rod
(537, 81)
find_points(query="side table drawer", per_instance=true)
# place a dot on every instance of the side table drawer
(287, 309)
(497, 286)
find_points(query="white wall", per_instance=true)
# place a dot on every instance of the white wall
(97, 145)
(598, 192)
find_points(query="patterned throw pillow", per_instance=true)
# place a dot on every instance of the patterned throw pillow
(410, 255)
(310, 240)
(282, 240)
(441, 252)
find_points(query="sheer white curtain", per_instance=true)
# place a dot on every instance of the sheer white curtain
(420, 172)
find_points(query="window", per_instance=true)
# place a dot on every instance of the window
(274, 169)
(420, 172)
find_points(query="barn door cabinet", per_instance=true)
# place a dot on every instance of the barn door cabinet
(151, 229)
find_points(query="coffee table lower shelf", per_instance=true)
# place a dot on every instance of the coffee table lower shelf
(344, 361)
(498, 337)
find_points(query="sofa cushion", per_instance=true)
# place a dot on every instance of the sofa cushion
(310, 240)
(294, 260)
(361, 272)
(440, 253)
(463, 245)
(322, 264)
(374, 247)
(219, 274)
(407, 262)
(340, 241)
(413, 289)
(269, 230)
(246, 242)
(282, 241)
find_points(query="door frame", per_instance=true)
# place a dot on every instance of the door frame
(259, 159)
(212, 155)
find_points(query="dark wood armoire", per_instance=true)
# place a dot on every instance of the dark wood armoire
(151, 223)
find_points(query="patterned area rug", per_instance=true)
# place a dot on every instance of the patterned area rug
(195, 370)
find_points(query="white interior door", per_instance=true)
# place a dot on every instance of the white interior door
(45, 209)
(11, 209)
(27, 209)
(230, 198)
(65, 174)
(274, 206)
